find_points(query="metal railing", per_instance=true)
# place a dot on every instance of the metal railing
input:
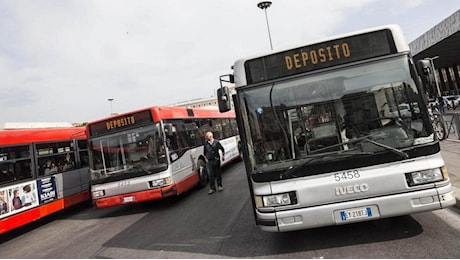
(452, 121)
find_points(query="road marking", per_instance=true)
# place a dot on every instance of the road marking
(450, 217)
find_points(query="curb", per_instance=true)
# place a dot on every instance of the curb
(457, 196)
(454, 181)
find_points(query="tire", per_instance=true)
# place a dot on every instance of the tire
(203, 174)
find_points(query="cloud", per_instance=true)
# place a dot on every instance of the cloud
(62, 60)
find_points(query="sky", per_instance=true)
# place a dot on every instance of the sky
(60, 61)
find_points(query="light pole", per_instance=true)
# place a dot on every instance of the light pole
(434, 74)
(110, 100)
(264, 5)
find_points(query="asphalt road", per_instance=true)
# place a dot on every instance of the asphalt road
(198, 225)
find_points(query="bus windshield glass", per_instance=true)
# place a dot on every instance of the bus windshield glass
(369, 110)
(129, 153)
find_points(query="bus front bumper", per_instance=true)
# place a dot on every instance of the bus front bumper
(136, 197)
(350, 211)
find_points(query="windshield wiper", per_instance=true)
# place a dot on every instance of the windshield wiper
(315, 157)
(139, 165)
(352, 141)
(404, 155)
(367, 138)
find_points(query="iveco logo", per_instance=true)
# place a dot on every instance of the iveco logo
(350, 189)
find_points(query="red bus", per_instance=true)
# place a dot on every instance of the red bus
(154, 153)
(42, 171)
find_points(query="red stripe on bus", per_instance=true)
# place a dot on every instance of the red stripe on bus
(36, 213)
(76, 198)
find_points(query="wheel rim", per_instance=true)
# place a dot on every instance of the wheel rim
(203, 175)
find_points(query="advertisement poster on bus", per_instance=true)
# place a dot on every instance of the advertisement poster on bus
(17, 198)
(47, 189)
(231, 147)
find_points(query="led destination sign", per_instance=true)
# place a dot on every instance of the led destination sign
(320, 56)
(121, 122)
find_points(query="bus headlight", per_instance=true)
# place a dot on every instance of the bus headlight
(425, 176)
(160, 182)
(276, 200)
(98, 194)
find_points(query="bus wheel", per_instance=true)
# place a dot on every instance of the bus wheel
(203, 174)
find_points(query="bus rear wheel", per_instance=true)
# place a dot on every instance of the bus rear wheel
(203, 174)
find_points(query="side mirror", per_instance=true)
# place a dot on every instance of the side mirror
(223, 99)
(425, 71)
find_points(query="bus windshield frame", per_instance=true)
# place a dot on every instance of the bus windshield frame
(351, 116)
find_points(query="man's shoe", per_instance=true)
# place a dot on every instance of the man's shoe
(220, 188)
(211, 191)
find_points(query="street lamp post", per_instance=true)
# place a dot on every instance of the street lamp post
(110, 100)
(264, 5)
(434, 74)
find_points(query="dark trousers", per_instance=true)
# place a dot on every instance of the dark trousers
(214, 173)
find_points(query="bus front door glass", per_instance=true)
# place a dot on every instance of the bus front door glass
(366, 110)
(128, 154)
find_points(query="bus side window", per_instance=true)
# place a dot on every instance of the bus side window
(5, 174)
(51, 156)
(191, 133)
(227, 128)
(67, 163)
(217, 128)
(234, 126)
(15, 163)
(83, 160)
(204, 125)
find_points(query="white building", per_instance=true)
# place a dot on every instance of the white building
(210, 102)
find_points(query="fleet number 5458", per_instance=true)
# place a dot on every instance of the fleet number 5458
(346, 175)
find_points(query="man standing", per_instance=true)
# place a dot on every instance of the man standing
(211, 153)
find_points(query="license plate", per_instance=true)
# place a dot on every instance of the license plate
(356, 213)
(128, 199)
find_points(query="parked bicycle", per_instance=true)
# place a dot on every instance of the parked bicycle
(439, 123)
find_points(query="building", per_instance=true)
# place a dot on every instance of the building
(441, 45)
(210, 102)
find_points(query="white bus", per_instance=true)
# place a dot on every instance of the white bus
(325, 139)
(154, 153)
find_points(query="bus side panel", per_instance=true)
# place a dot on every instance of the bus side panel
(72, 187)
(231, 149)
(51, 207)
(182, 172)
(31, 215)
(76, 198)
(70, 182)
(19, 219)
(187, 183)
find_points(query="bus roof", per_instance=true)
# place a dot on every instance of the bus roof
(145, 116)
(171, 112)
(396, 31)
(23, 136)
(30, 125)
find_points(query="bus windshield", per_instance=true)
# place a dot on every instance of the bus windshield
(369, 110)
(129, 153)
